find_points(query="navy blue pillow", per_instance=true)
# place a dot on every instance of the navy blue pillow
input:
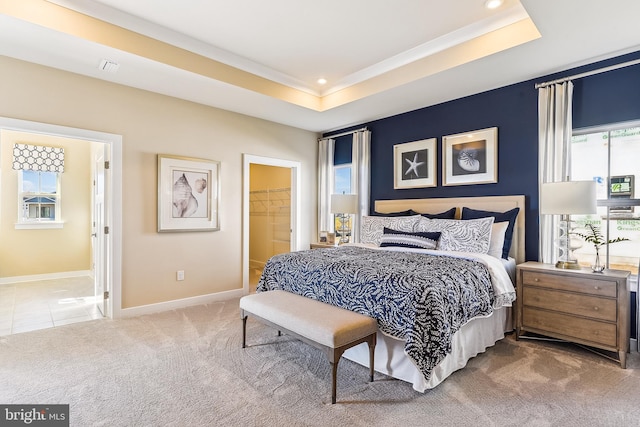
(406, 239)
(450, 214)
(510, 216)
(408, 212)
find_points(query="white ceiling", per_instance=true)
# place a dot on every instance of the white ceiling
(380, 57)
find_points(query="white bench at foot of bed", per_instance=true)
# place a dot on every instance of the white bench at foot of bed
(324, 326)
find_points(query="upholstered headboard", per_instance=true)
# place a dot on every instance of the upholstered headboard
(489, 203)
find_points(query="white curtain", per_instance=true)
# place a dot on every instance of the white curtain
(361, 148)
(554, 132)
(325, 184)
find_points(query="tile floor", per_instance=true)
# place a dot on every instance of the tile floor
(46, 304)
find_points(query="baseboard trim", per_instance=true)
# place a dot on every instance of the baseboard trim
(47, 276)
(180, 303)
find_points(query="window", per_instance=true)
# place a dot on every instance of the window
(342, 179)
(39, 168)
(342, 185)
(611, 156)
(38, 199)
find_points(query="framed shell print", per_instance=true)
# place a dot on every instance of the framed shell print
(470, 157)
(188, 194)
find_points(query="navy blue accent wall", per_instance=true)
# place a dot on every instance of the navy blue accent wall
(609, 97)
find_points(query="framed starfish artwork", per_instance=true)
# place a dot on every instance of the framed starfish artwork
(414, 164)
(470, 158)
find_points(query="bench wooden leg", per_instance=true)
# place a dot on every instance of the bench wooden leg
(372, 351)
(244, 330)
(334, 374)
(334, 357)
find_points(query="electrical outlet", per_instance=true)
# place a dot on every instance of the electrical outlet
(180, 275)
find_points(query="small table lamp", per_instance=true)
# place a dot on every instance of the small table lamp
(566, 198)
(344, 205)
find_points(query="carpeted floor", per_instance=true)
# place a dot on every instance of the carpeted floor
(187, 368)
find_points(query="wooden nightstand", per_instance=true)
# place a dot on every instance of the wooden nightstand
(322, 245)
(574, 305)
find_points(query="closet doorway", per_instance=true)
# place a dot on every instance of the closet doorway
(269, 216)
(270, 213)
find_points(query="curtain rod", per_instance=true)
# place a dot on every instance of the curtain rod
(589, 73)
(344, 133)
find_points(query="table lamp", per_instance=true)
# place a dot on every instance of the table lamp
(567, 198)
(344, 205)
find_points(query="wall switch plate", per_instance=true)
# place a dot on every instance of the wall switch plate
(180, 275)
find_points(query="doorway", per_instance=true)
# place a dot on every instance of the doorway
(269, 216)
(270, 212)
(107, 256)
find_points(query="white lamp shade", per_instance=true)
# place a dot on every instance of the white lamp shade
(344, 203)
(568, 197)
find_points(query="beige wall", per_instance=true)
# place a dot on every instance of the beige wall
(43, 251)
(151, 124)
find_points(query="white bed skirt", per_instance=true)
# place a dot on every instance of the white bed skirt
(473, 338)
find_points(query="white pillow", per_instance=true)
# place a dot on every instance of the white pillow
(498, 230)
(471, 235)
(372, 227)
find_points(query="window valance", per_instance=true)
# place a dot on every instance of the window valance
(38, 158)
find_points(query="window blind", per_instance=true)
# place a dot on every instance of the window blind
(38, 158)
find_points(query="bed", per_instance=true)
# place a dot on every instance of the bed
(431, 320)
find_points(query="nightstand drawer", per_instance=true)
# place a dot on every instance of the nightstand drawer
(571, 283)
(570, 303)
(570, 327)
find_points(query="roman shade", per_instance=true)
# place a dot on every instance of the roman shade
(38, 158)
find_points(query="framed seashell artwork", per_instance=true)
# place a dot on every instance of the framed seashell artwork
(470, 157)
(414, 164)
(188, 194)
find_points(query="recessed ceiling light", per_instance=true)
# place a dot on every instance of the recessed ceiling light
(493, 4)
(322, 81)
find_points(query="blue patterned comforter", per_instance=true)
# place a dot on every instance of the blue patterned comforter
(419, 298)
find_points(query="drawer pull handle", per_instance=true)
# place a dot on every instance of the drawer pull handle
(596, 333)
(596, 308)
(596, 288)
(536, 280)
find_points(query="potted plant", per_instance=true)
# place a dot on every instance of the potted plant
(595, 237)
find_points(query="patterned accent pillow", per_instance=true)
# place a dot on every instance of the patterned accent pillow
(372, 227)
(510, 216)
(472, 235)
(418, 240)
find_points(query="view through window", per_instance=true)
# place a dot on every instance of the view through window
(342, 185)
(611, 157)
(38, 196)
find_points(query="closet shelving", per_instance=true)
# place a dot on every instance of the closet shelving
(275, 205)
